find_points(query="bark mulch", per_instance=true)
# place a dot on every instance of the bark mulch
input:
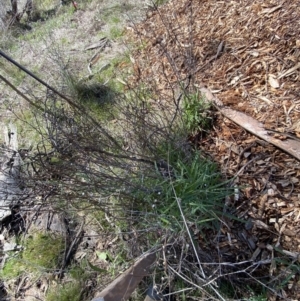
(247, 53)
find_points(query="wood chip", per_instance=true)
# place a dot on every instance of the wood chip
(273, 81)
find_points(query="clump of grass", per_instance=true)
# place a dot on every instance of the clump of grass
(116, 32)
(196, 113)
(160, 2)
(184, 175)
(94, 92)
(99, 100)
(197, 184)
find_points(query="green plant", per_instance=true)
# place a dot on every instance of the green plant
(42, 30)
(45, 4)
(198, 185)
(74, 287)
(13, 72)
(115, 20)
(160, 2)
(196, 113)
(186, 176)
(256, 292)
(116, 32)
(112, 13)
(261, 297)
(287, 267)
(78, 272)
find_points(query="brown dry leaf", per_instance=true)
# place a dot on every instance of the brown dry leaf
(289, 232)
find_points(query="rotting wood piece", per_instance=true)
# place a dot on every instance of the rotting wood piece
(123, 286)
(9, 187)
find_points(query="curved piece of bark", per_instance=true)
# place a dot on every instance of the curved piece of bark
(253, 126)
(123, 286)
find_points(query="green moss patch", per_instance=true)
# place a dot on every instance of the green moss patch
(65, 292)
(42, 251)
